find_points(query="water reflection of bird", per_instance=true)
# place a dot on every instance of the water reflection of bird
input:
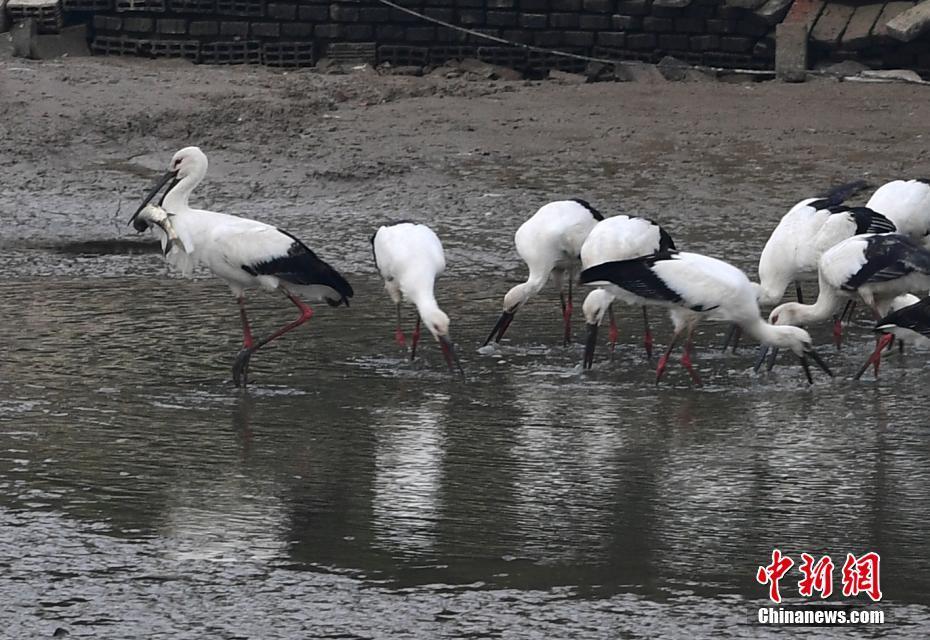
(550, 243)
(244, 253)
(874, 267)
(409, 257)
(695, 287)
(618, 238)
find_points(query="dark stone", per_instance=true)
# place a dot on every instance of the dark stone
(641, 41)
(565, 5)
(501, 19)
(444, 14)
(266, 29)
(548, 38)
(296, 29)
(501, 4)
(564, 20)
(735, 44)
(615, 39)
(752, 26)
(329, 31)
(420, 34)
(470, 17)
(172, 26)
(599, 72)
(534, 20)
(674, 42)
(359, 32)
(718, 25)
(279, 11)
(579, 38)
(234, 28)
(626, 23)
(706, 42)
(599, 6)
(535, 6)
(313, 13)
(389, 33)
(138, 25)
(673, 69)
(658, 24)
(107, 23)
(377, 14)
(634, 7)
(594, 22)
(343, 13)
(204, 28)
(689, 25)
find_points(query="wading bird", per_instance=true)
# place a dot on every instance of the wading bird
(873, 267)
(907, 204)
(811, 227)
(550, 243)
(695, 287)
(908, 321)
(613, 239)
(409, 257)
(244, 253)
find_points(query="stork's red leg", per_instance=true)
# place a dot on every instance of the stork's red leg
(876, 357)
(242, 360)
(686, 359)
(399, 337)
(613, 333)
(663, 361)
(247, 340)
(647, 335)
(415, 339)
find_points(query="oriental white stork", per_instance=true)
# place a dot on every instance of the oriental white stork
(244, 253)
(613, 239)
(908, 321)
(409, 257)
(874, 267)
(907, 204)
(550, 243)
(695, 287)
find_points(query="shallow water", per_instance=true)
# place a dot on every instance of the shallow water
(352, 493)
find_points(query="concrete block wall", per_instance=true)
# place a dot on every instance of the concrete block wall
(299, 32)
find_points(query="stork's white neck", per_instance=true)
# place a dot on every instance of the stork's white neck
(827, 301)
(176, 200)
(783, 337)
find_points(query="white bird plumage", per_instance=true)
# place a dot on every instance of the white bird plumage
(616, 238)
(695, 287)
(907, 204)
(549, 242)
(244, 253)
(410, 257)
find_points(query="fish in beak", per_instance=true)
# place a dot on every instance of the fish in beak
(590, 344)
(169, 176)
(448, 351)
(152, 214)
(500, 328)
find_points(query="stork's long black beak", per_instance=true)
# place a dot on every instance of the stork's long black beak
(590, 344)
(162, 181)
(448, 351)
(818, 361)
(500, 328)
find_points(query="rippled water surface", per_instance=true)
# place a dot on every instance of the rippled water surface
(350, 493)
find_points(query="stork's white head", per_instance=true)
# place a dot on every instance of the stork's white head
(790, 313)
(185, 171)
(188, 162)
(517, 296)
(596, 305)
(437, 322)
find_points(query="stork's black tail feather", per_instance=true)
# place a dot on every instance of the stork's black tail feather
(840, 193)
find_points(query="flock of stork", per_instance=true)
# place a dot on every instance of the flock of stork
(873, 253)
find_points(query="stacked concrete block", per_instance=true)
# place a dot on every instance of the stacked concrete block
(732, 33)
(47, 14)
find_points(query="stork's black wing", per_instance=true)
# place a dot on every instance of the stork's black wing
(889, 257)
(915, 317)
(636, 276)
